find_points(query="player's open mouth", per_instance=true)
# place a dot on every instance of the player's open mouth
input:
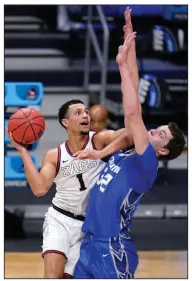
(84, 124)
(152, 132)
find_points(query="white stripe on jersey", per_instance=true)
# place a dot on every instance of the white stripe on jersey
(75, 179)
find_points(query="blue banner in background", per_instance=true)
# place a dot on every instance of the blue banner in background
(176, 12)
(149, 91)
(168, 12)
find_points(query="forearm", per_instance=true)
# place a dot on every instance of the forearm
(131, 102)
(132, 64)
(122, 142)
(35, 179)
(132, 60)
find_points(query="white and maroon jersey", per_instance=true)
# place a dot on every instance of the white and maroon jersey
(75, 178)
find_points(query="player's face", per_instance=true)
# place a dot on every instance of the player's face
(159, 138)
(78, 119)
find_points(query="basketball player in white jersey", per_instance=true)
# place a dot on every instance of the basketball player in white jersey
(73, 178)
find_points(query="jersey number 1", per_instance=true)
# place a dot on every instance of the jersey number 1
(82, 184)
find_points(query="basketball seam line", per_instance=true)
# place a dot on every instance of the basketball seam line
(25, 122)
(24, 135)
(38, 125)
(33, 132)
(23, 118)
(29, 123)
(20, 126)
(20, 109)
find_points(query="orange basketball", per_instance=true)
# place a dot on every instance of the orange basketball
(27, 125)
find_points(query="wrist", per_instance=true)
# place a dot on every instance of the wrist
(123, 66)
(101, 154)
(23, 151)
(125, 75)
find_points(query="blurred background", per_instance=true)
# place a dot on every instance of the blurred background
(57, 53)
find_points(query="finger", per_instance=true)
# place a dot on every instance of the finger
(85, 154)
(130, 37)
(10, 136)
(81, 156)
(127, 39)
(127, 10)
(77, 153)
(127, 14)
(124, 28)
(134, 35)
(120, 48)
(130, 42)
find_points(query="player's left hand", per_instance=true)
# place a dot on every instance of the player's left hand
(121, 58)
(88, 153)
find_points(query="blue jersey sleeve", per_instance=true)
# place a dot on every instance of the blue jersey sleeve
(148, 160)
(145, 170)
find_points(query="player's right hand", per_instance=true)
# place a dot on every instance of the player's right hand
(88, 153)
(20, 148)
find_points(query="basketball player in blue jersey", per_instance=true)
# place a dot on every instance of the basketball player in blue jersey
(108, 250)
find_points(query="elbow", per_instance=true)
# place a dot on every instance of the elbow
(39, 191)
(128, 138)
(39, 194)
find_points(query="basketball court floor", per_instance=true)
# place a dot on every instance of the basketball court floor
(152, 264)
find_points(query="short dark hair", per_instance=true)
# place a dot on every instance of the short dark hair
(63, 110)
(175, 145)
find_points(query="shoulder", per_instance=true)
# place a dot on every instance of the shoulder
(148, 160)
(51, 156)
(149, 152)
(103, 138)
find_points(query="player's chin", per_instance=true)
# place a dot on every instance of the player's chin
(85, 131)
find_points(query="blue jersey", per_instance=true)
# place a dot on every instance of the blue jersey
(118, 191)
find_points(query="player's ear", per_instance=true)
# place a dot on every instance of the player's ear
(65, 123)
(163, 152)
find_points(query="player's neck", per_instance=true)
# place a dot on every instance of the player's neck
(76, 143)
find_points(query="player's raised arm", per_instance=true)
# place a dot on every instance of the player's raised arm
(40, 182)
(131, 102)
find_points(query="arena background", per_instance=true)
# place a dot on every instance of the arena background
(47, 62)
